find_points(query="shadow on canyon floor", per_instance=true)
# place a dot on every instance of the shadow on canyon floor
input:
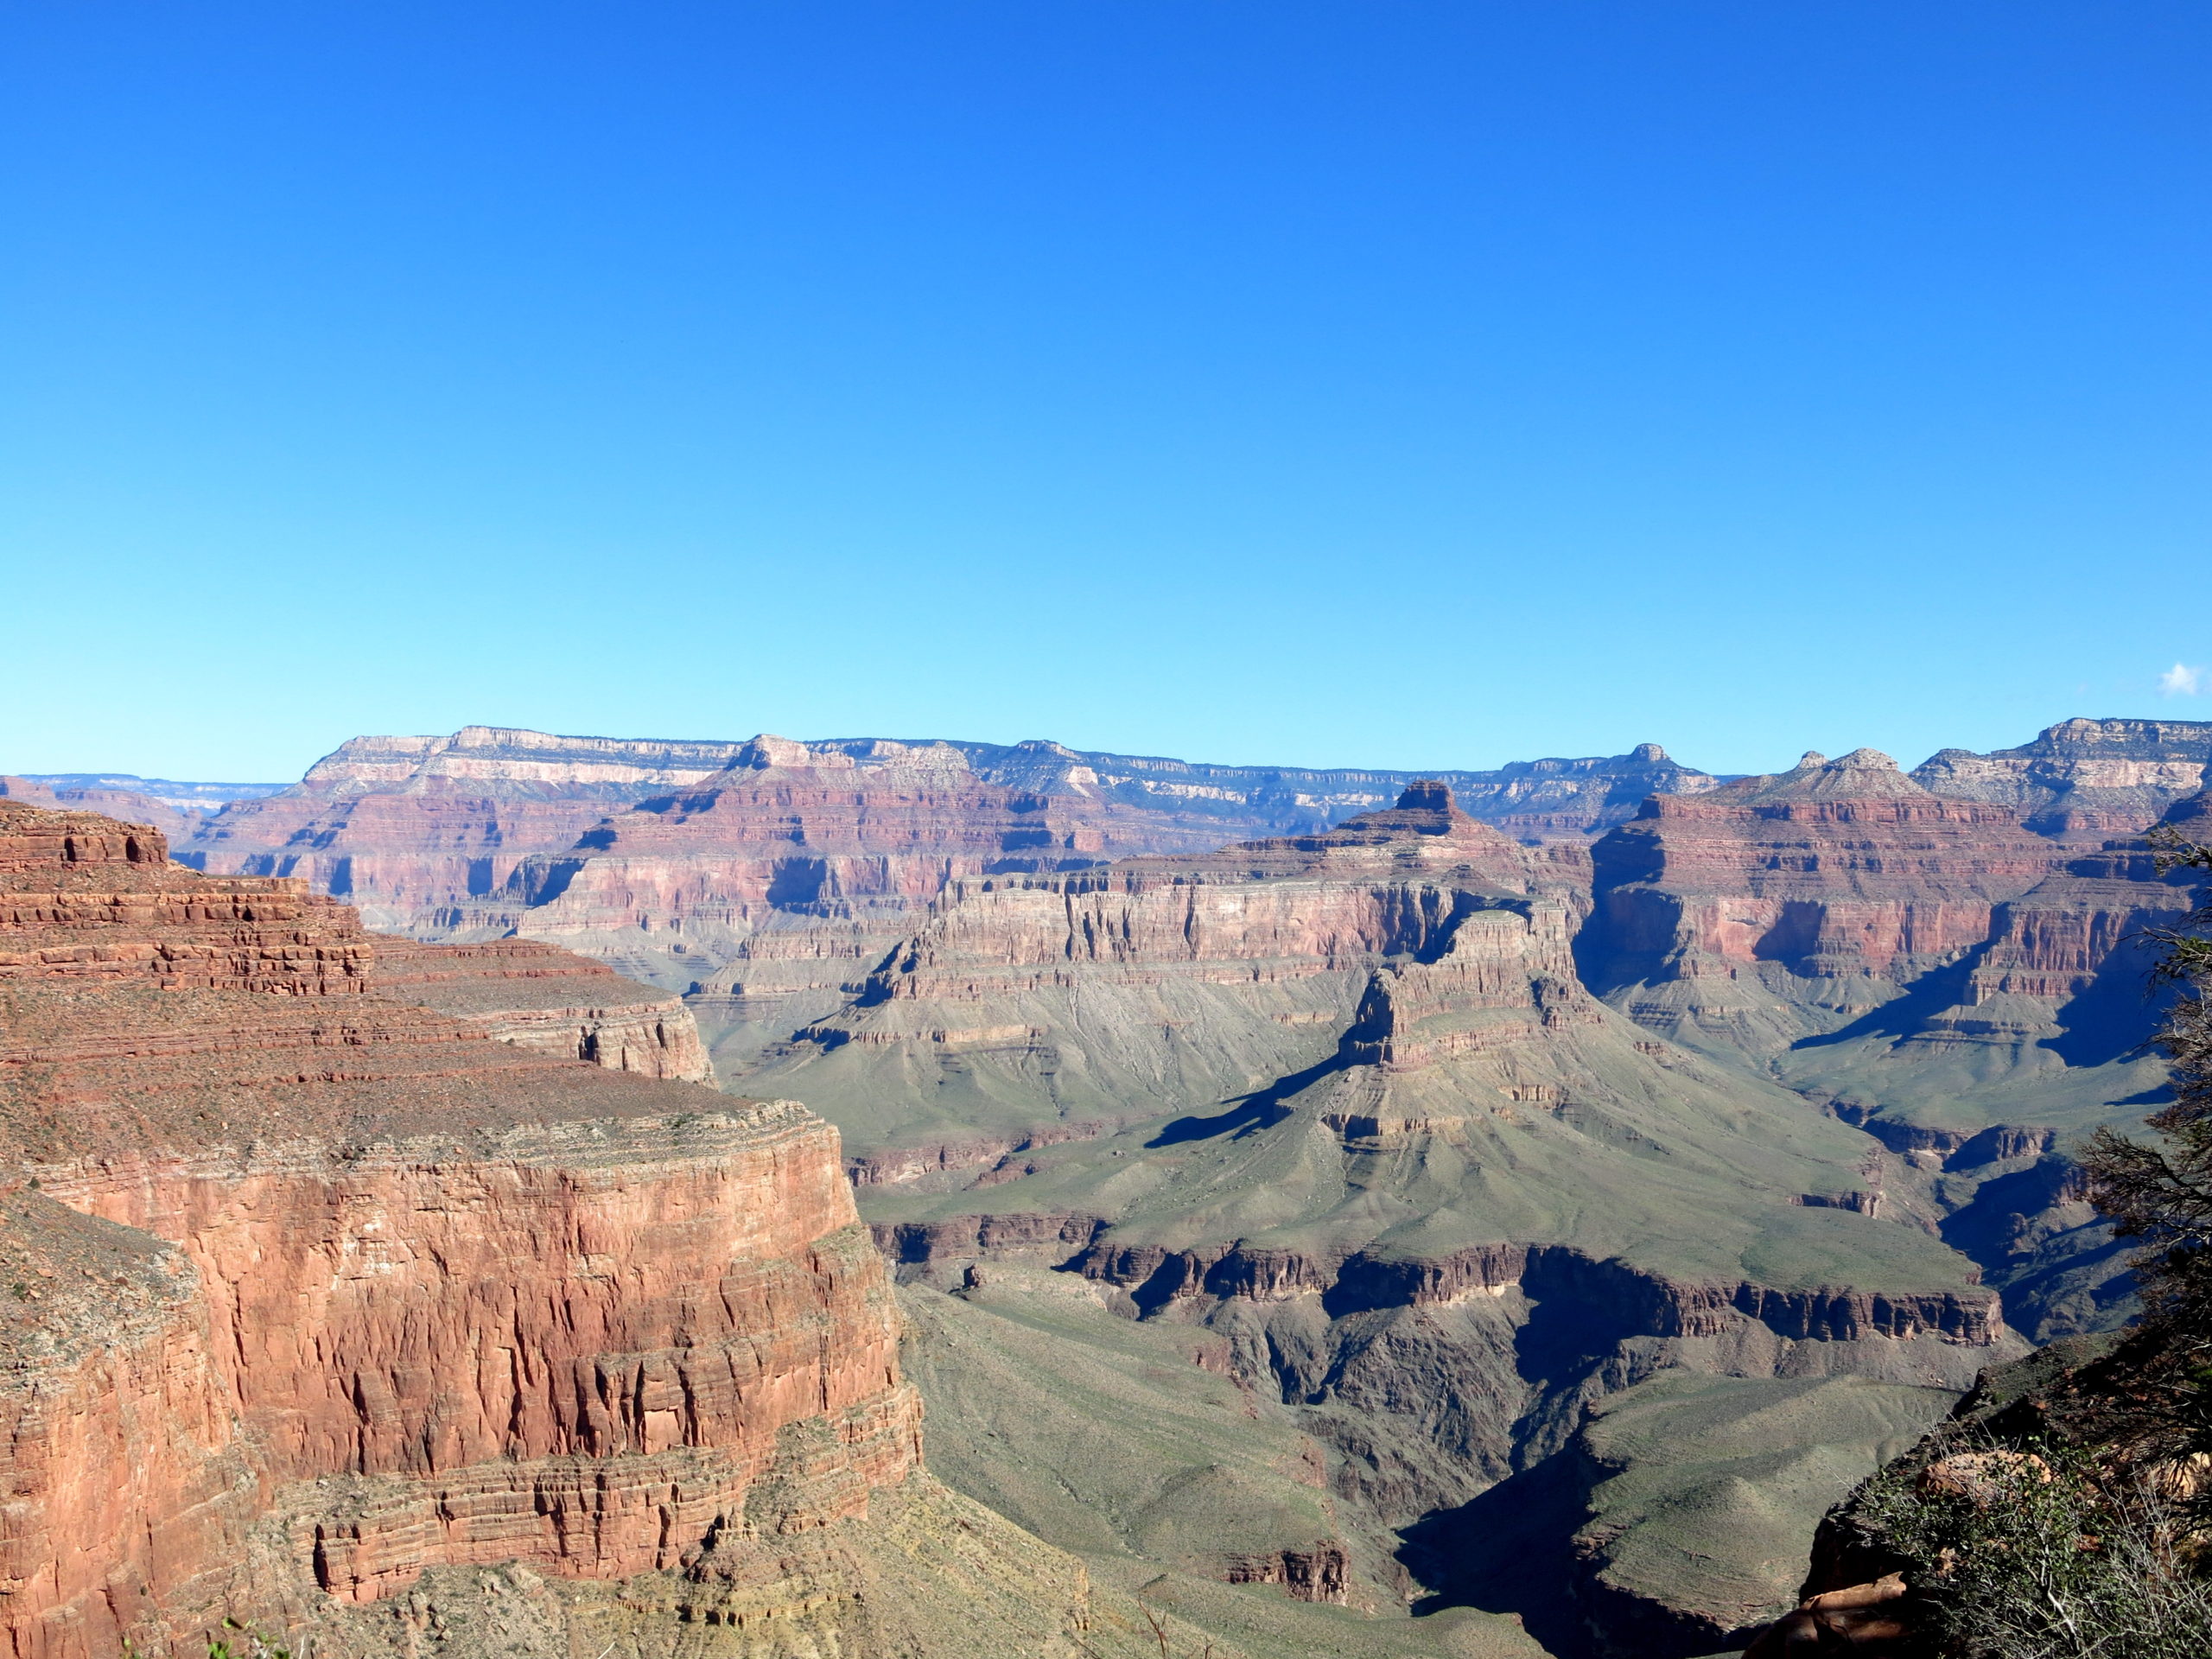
(1248, 1114)
(1509, 1551)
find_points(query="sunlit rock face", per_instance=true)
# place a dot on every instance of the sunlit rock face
(2083, 780)
(321, 1289)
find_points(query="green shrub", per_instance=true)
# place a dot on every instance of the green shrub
(2036, 1554)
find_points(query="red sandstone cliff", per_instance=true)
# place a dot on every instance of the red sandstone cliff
(1836, 873)
(1776, 908)
(540, 997)
(686, 861)
(319, 1290)
(130, 805)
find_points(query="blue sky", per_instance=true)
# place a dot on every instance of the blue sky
(1407, 384)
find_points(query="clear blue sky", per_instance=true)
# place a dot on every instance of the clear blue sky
(1381, 381)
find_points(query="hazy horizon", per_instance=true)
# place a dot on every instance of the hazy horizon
(1262, 763)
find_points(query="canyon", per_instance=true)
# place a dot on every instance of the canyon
(1524, 1195)
(1341, 1104)
(378, 1311)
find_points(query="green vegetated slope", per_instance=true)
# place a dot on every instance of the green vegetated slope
(1705, 1486)
(1677, 1167)
(1102, 1047)
(1974, 1131)
(1907, 1055)
(1130, 1445)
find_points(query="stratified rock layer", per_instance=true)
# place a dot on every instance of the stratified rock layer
(554, 1001)
(1346, 1108)
(772, 870)
(2083, 780)
(320, 1291)
(1837, 873)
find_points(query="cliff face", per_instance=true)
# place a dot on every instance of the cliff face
(786, 840)
(2082, 779)
(1838, 870)
(132, 806)
(408, 827)
(321, 1291)
(551, 1000)
(772, 886)
(1839, 917)
(1930, 968)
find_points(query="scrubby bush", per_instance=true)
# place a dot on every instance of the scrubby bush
(2043, 1554)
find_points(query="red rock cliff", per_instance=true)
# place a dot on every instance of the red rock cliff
(319, 1289)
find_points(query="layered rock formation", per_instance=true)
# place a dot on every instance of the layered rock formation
(410, 826)
(552, 1001)
(330, 1303)
(1536, 799)
(172, 792)
(1340, 1106)
(175, 819)
(1777, 904)
(1348, 1108)
(1929, 967)
(786, 840)
(2083, 780)
(1205, 975)
(426, 834)
(1776, 910)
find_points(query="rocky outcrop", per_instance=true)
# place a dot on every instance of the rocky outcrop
(174, 818)
(326, 1294)
(1052, 1239)
(2082, 779)
(1842, 899)
(506, 761)
(88, 900)
(1625, 1299)
(122, 913)
(177, 794)
(1778, 907)
(554, 1001)
(1319, 1573)
(487, 1400)
(997, 1157)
